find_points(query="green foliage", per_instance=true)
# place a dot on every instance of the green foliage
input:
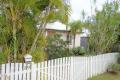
(114, 68)
(78, 51)
(119, 58)
(56, 47)
(75, 27)
(116, 47)
(104, 28)
(18, 20)
(38, 56)
(3, 58)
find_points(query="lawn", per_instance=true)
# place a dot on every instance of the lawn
(106, 76)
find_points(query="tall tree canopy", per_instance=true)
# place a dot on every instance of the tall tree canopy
(18, 20)
(104, 28)
(75, 27)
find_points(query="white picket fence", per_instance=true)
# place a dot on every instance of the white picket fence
(67, 68)
(86, 67)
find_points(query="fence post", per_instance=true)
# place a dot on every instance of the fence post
(72, 69)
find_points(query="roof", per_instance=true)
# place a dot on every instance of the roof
(62, 27)
(57, 26)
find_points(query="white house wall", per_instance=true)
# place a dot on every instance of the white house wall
(64, 37)
(77, 40)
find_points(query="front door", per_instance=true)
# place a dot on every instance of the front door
(84, 42)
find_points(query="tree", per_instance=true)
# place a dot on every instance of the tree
(104, 28)
(75, 27)
(19, 18)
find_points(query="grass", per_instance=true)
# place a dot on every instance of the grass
(106, 76)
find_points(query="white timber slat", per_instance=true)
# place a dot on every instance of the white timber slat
(52, 74)
(8, 71)
(45, 70)
(49, 70)
(3, 72)
(24, 75)
(38, 71)
(16, 71)
(42, 70)
(12, 77)
(20, 72)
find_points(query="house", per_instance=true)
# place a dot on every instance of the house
(80, 40)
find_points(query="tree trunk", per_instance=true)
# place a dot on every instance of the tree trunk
(14, 41)
(13, 17)
(41, 31)
(67, 34)
(74, 41)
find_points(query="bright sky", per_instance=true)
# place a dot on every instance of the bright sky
(78, 6)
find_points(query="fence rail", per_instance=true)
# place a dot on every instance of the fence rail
(67, 68)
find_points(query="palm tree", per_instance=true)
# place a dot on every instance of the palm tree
(20, 17)
(76, 27)
(14, 15)
(56, 10)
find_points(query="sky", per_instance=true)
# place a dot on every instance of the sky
(78, 6)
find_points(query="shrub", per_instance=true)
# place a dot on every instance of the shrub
(79, 51)
(38, 56)
(116, 47)
(119, 59)
(56, 47)
(3, 58)
(113, 68)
